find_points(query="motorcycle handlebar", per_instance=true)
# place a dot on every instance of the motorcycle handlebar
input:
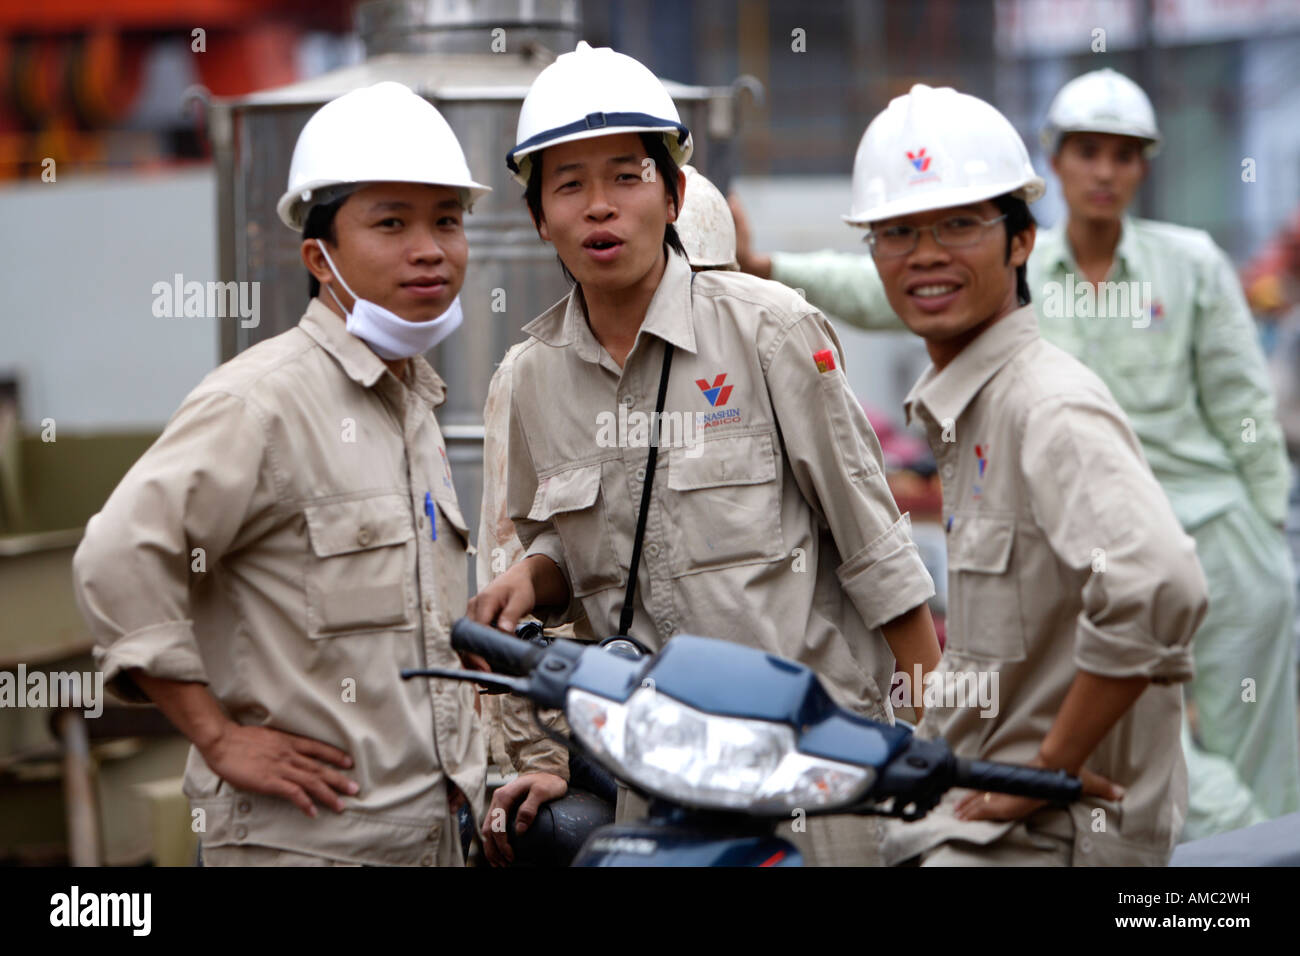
(1055, 786)
(504, 653)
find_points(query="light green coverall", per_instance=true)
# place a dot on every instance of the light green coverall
(1181, 356)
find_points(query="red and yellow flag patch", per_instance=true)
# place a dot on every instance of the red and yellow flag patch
(825, 360)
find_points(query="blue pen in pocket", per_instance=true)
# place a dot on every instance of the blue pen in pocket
(433, 516)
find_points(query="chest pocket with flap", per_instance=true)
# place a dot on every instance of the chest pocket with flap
(449, 510)
(724, 505)
(359, 577)
(984, 589)
(572, 500)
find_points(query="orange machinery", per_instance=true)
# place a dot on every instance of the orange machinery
(71, 70)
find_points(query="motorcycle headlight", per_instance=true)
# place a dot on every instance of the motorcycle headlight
(704, 760)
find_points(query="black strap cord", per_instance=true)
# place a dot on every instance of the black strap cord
(625, 619)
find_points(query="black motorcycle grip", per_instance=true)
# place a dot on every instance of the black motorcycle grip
(1055, 786)
(505, 653)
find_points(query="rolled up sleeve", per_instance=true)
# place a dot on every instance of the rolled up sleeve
(887, 577)
(1104, 515)
(836, 460)
(530, 749)
(182, 506)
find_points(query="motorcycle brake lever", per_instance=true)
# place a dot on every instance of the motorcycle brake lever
(493, 683)
(895, 807)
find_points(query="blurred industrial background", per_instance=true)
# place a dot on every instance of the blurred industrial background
(146, 140)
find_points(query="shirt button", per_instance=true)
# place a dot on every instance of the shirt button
(947, 471)
(667, 627)
(627, 401)
(241, 832)
(428, 605)
(363, 537)
(640, 474)
(245, 806)
(652, 549)
(432, 835)
(426, 860)
(1085, 845)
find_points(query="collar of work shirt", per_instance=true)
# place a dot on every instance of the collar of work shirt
(668, 317)
(939, 397)
(362, 365)
(1127, 261)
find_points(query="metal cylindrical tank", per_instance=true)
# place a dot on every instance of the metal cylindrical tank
(474, 59)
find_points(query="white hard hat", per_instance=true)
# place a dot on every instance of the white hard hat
(595, 92)
(380, 133)
(705, 226)
(935, 148)
(1102, 101)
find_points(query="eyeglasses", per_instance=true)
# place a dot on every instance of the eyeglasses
(953, 232)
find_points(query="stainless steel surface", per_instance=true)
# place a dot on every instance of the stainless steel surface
(466, 26)
(79, 790)
(18, 545)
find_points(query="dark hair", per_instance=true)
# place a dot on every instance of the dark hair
(1019, 218)
(320, 225)
(665, 166)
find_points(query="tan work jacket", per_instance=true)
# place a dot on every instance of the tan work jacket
(770, 522)
(275, 544)
(1063, 555)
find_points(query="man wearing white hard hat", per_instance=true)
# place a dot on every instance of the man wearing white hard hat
(770, 524)
(709, 238)
(1069, 577)
(293, 540)
(1187, 369)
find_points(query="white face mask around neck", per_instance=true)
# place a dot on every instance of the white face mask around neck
(388, 334)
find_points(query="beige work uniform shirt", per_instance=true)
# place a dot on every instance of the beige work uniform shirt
(1063, 555)
(274, 544)
(525, 746)
(774, 528)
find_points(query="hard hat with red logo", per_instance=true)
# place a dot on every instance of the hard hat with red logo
(380, 133)
(1102, 101)
(594, 92)
(935, 148)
